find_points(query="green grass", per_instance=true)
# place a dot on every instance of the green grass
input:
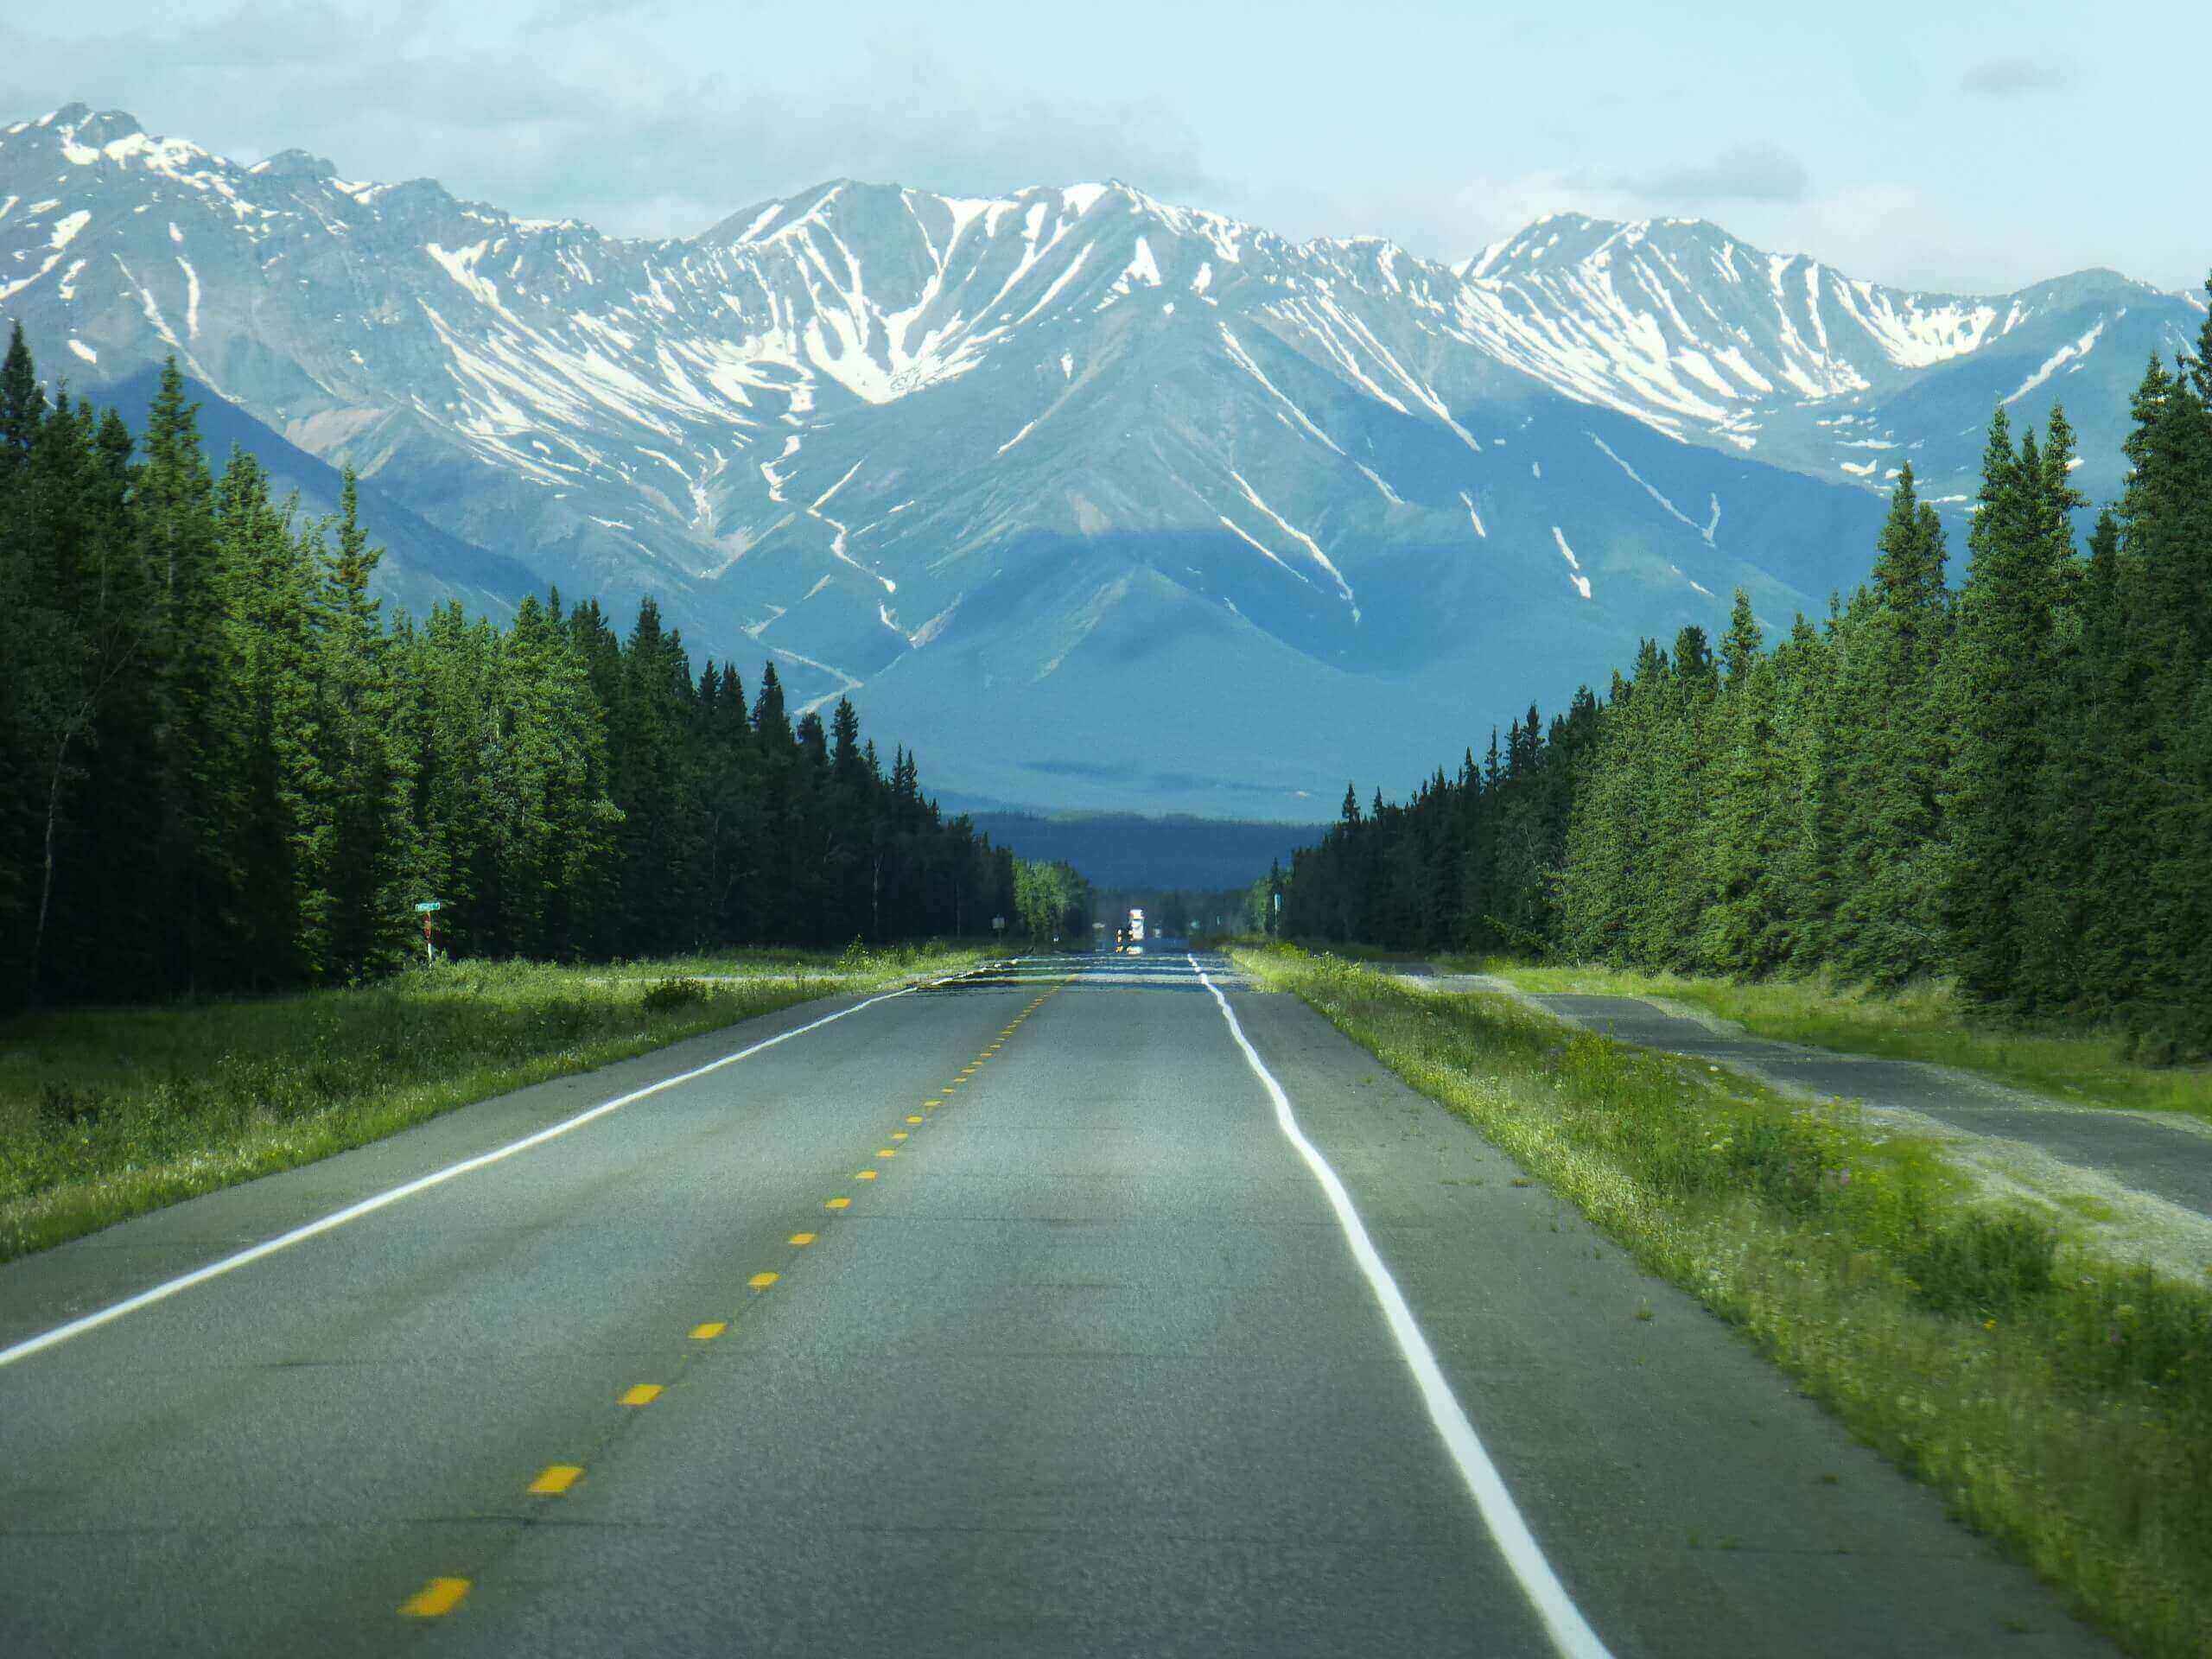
(109, 1112)
(758, 963)
(1917, 1023)
(2060, 1403)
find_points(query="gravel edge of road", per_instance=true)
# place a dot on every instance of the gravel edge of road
(2102, 1215)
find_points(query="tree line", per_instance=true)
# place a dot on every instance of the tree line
(221, 769)
(2008, 782)
(1053, 901)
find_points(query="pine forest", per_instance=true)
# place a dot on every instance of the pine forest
(2008, 783)
(222, 769)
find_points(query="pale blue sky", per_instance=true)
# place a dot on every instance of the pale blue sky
(1966, 145)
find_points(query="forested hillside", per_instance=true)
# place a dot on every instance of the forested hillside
(221, 768)
(1130, 852)
(2009, 782)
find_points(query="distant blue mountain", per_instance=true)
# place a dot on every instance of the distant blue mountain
(1095, 501)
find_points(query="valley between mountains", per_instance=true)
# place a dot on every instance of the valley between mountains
(1088, 498)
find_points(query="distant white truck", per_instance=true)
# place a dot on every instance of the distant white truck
(1133, 935)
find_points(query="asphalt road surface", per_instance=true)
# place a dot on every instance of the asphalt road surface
(1014, 1317)
(2162, 1152)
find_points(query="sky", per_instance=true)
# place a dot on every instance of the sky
(1966, 147)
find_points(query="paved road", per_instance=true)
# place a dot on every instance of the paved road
(2164, 1154)
(1088, 1363)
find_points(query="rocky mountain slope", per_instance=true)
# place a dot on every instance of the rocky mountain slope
(1097, 500)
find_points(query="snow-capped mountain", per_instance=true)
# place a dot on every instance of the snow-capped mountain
(1677, 323)
(1099, 500)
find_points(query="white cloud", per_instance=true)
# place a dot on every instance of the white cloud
(1886, 231)
(1740, 173)
(2014, 77)
(594, 123)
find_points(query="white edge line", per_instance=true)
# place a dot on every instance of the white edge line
(337, 1218)
(1563, 1622)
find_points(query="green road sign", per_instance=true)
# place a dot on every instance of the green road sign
(428, 905)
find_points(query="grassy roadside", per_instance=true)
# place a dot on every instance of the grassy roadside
(108, 1113)
(2059, 1403)
(1918, 1022)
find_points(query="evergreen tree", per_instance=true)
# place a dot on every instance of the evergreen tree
(196, 777)
(356, 717)
(1892, 753)
(2004, 698)
(1745, 926)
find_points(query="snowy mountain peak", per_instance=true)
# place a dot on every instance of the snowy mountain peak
(96, 129)
(926, 446)
(295, 165)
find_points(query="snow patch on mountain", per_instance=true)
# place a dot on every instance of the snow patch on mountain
(1574, 565)
(191, 300)
(1313, 547)
(1665, 505)
(616, 406)
(1243, 358)
(1260, 547)
(2065, 354)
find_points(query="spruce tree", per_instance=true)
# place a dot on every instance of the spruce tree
(1890, 753)
(196, 778)
(2003, 696)
(357, 704)
(1744, 928)
(23, 405)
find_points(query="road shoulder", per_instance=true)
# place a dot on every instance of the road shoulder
(43, 1290)
(1691, 1498)
(2132, 1187)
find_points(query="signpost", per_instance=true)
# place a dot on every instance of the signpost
(429, 907)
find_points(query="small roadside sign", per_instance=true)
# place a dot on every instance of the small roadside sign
(425, 908)
(429, 904)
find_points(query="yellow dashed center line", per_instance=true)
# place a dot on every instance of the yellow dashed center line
(435, 1599)
(441, 1595)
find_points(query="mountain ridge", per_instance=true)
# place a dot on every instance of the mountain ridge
(1013, 469)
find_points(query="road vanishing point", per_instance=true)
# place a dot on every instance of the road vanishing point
(1078, 1306)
